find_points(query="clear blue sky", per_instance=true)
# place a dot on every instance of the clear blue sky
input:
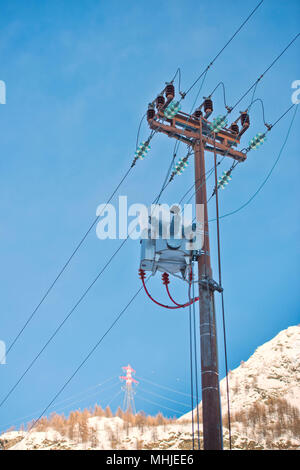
(79, 76)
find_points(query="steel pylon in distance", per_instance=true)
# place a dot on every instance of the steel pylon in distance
(128, 402)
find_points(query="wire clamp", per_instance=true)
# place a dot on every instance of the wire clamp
(211, 284)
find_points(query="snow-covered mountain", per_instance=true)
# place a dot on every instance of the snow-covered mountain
(264, 402)
(273, 371)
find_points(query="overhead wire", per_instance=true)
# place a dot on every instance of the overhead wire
(196, 367)
(203, 74)
(223, 48)
(269, 128)
(222, 295)
(254, 85)
(170, 307)
(113, 398)
(77, 247)
(86, 358)
(268, 175)
(224, 93)
(178, 72)
(31, 316)
(164, 387)
(191, 364)
(65, 401)
(235, 163)
(139, 130)
(193, 85)
(158, 404)
(262, 107)
(177, 143)
(164, 397)
(65, 319)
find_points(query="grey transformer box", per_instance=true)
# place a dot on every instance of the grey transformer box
(172, 254)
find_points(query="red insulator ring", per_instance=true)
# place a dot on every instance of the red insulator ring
(165, 279)
(142, 274)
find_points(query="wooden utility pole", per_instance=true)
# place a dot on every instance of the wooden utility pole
(211, 408)
(195, 131)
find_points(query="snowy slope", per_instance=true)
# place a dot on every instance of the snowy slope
(110, 434)
(272, 371)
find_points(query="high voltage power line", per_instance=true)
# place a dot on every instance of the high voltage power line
(65, 401)
(162, 396)
(158, 404)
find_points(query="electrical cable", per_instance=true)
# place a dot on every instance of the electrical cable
(65, 266)
(222, 295)
(31, 316)
(191, 364)
(84, 398)
(224, 93)
(253, 94)
(196, 366)
(62, 323)
(264, 73)
(177, 144)
(159, 404)
(165, 279)
(163, 387)
(21, 419)
(112, 399)
(223, 48)
(138, 132)
(268, 175)
(263, 108)
(178, 72)
(281, 117)
(65, 319)
(181, 305)
(166, 398)
(209, 173)
(170, 307)
(166, 182)
(86, 358)
(235, 163)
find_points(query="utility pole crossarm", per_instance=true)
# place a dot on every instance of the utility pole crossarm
(186, 127)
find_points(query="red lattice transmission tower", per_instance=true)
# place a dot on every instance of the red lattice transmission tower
(128, 403)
